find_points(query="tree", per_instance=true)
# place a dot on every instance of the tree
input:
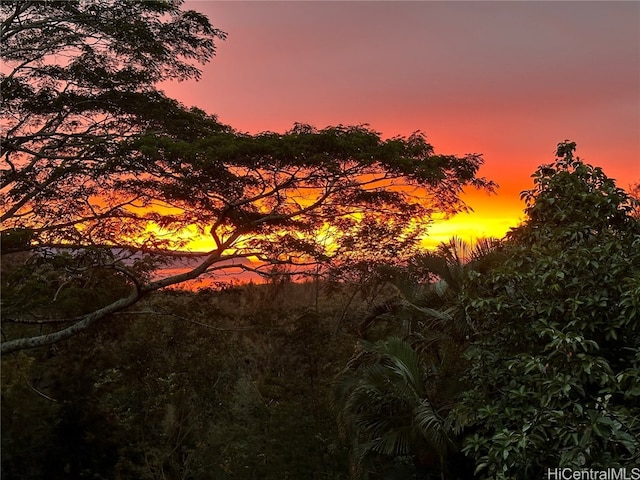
(634, 192)
(80, 81)
(227, 383)
(425, 309)
(553, 373)
(101, 165)
(385, 410)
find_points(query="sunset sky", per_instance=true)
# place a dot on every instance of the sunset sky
(508, 80)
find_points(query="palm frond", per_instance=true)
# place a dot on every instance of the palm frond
(433, 428)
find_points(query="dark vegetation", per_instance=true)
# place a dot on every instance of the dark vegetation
(496, 360)
(491, 361)
(213, 384)
(99, 164)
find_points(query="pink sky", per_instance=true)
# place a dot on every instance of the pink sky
(506, 79)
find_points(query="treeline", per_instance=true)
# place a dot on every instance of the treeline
(230, 384)
(517, 356)
(498, 360)
(490, 362)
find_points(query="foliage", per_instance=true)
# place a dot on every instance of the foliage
(634, 193)
(528, 345)
(395, 396)
(97, 157)
(553, 376)
(79, 81)
(384, 408)
(217, 384)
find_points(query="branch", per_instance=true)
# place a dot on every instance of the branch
(214, 257)
(11, 346)
(21, 7)
(141, 291)
(36, 322)
(126, 248)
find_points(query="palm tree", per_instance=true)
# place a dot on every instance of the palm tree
(426, 301)
(384, 409)
(396, 393)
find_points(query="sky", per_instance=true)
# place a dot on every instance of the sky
(506, 79)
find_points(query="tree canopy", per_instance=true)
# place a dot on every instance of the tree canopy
(528, 346)
(554, 362)
(100, 165)
(79, 85)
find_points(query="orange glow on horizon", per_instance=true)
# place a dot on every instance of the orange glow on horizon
(467, 226)
(509, 87)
